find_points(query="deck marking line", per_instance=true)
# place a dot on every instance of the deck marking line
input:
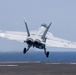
(9, 65)
(60, 63)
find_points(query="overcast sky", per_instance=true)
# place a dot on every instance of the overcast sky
(62, 14)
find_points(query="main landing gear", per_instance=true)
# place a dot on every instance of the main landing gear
(46, 53)
(26, 49)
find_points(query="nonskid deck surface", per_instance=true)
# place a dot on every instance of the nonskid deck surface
(37, 68)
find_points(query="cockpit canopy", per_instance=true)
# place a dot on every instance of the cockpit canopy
(44, 25)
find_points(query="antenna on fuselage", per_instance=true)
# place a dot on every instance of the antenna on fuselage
(28, 33)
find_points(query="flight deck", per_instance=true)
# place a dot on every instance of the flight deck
(37, 68)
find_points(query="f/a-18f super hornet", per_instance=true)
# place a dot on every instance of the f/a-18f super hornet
(37, 38)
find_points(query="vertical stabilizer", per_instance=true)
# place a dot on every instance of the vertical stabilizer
(45, 32)
(28, 33)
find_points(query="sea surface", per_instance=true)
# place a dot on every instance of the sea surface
(38, 56)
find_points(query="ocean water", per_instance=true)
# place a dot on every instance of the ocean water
(38, 56)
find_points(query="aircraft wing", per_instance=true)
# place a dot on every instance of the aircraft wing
(58, 42)
(14, 35)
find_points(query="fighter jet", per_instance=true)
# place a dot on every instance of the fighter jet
(37, 38)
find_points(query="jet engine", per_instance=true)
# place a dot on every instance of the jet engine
(38, 44)
(37, 41)
(29, 41)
